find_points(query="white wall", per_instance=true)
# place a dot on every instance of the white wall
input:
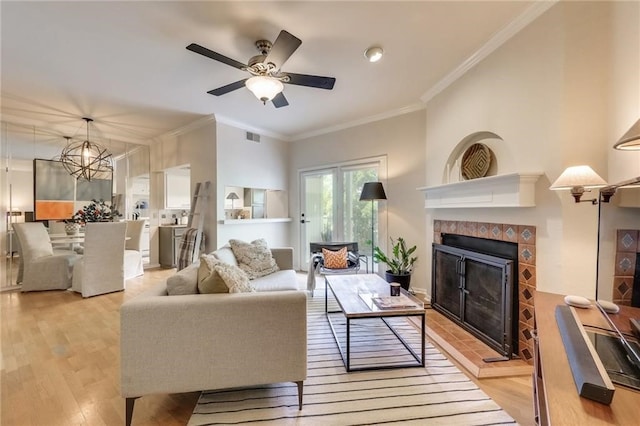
(624, 111)
(401, 140)
(194, 145)
(548, 94)
(248, 164)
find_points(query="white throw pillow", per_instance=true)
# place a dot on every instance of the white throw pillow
(235, 278)
(184, 282)
(209, 281)
(254, 258)
(226, 255)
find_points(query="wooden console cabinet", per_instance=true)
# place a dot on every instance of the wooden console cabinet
(556, 399)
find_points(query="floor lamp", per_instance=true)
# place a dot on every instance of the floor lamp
(372, 191)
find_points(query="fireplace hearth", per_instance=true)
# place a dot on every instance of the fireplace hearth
(524, 272)
(473, 285)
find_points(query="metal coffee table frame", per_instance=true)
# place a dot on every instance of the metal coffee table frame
(345, 353)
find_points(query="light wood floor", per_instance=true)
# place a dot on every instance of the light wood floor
(60, 364)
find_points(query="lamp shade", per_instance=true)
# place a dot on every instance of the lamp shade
(264, 88)
(373, 191)
(582, 176)
(630, 141)
(232, 196)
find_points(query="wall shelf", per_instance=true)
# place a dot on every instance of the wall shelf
(509, 190)
(254, 221)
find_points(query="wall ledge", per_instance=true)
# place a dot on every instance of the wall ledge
(254, 221)
(509, 190)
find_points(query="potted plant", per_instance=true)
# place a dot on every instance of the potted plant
(96, 211)
(400, 262)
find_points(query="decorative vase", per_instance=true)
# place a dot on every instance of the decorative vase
(72, 228)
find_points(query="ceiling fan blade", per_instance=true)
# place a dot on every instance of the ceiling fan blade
(282, 49)
(279, 100)
(311, 81)
(215, 56)
(228, 88)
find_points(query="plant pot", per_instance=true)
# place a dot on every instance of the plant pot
(404, 279)
(72, 228)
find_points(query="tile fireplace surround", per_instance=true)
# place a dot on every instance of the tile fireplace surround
(626, 248)
(525, 237)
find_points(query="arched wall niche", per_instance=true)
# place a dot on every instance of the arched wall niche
(502, 160)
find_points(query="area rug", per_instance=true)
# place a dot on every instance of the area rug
(436, 394)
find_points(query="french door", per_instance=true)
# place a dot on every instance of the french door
(331, 210)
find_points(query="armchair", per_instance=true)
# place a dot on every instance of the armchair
(317, 264)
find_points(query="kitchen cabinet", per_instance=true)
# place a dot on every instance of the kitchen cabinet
(177, 190)
(170, 237)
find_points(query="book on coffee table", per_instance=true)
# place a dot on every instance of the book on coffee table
(391, 302)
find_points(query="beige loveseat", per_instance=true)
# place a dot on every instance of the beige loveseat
(192, 342)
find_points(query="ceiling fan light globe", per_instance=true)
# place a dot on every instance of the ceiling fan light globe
(264, 88)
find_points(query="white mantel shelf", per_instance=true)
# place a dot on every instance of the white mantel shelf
(510, 190)
(254, 221)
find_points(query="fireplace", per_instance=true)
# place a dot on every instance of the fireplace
(524, 272)
(473, 285)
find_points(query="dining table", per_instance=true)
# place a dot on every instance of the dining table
(72, 241)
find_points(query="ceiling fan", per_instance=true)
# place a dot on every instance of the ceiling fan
(267, 80)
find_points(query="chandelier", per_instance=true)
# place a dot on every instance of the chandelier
(86, 159)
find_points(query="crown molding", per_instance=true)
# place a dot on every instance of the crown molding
(200, 122)
(389, 114)
(501, 37)
(244, 126)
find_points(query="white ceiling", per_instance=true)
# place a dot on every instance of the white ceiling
(125, 64)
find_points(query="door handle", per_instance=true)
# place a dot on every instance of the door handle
(304, 221)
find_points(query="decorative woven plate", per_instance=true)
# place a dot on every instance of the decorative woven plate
(476, 161)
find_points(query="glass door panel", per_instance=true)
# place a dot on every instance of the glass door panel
(317, 212)
(331, 210)
(359, 220)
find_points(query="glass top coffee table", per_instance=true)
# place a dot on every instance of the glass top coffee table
(366, 296)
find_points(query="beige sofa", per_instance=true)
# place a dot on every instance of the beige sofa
(192, 342)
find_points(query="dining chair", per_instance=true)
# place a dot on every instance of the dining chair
(133, 252)
(41, 267)
(101, 268)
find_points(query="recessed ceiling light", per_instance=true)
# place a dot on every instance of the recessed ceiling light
(374, 53)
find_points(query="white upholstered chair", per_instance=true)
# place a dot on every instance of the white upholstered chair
(101, 268)
(133, 252)
(40, 267)
(56, 227)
